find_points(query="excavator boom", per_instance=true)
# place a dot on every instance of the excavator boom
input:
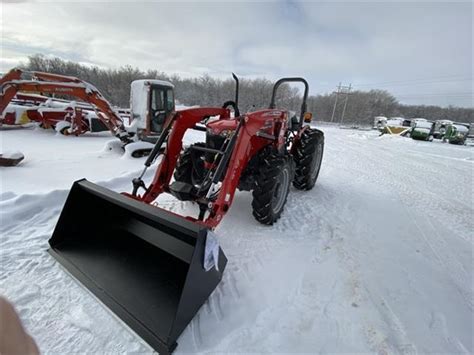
(47, 83)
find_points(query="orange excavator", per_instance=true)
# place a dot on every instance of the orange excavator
(18, 80)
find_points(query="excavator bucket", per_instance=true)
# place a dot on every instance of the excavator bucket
(144, 263)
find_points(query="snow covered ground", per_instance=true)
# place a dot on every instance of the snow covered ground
(376, 258)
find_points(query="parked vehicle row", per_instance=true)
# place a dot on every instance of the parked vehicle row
(424, 129)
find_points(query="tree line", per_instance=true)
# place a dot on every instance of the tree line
(361, 108)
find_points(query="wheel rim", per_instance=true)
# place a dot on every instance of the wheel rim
(280, 191)
(316, 163)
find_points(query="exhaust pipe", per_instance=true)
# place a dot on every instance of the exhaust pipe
(236, 100)
(142, 262)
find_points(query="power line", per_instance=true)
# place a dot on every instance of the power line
(430, 97)
(408, 82)
(436, 94)
(432, 79)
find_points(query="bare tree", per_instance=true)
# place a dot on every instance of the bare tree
(254, 94)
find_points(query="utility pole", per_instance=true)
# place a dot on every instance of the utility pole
(345, 91)
(345, 102)
(335, 102)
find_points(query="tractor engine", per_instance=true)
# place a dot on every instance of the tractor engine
(193, 169)
(213, 141)
(217, 133)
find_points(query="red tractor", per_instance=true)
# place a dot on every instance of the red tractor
(264, 151)
(148, 264)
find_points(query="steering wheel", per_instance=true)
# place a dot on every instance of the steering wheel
(233, 105)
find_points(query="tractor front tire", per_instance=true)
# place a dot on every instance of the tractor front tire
(184, 170)
(308, 157)
(271, 189)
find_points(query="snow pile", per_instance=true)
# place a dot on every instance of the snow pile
(461, 128)
(17, 109)
(376, 258)
(424, 124)
(395, 121)
(20, 114)
(423, 130)
(136, 146)
(12, 154)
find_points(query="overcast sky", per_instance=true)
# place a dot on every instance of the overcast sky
(422, 52)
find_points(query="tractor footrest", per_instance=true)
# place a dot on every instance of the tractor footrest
(183, 191)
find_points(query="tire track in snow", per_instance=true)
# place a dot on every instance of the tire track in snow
(454, 269)
(397, 336)
(439, 326)
(402, 180)
(257, 250)
(363, 294)
(450, 262)
(438, 245)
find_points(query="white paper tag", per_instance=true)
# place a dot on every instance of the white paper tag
(211, 252)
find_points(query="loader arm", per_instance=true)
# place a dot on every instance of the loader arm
(11, 84)
(238, 161)
(249, 141)
(183, 120)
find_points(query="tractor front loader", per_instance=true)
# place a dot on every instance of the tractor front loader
(154, 268)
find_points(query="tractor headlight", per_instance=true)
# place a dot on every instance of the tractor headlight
(307, 117)
(226, 133)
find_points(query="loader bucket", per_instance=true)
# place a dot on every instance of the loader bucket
(142, 262)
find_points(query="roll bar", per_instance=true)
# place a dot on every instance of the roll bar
(305, 95)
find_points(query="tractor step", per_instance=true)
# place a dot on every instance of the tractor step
(183, 191)
(144, 263)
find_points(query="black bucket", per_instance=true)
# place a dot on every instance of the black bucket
(144, 263)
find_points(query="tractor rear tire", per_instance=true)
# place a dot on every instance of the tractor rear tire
(185, 171)
(308, 157)
(272, 185)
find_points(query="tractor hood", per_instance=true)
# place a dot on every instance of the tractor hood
(221, 127)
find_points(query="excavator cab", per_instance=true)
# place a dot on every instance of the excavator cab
(151, 103)
(161, 105)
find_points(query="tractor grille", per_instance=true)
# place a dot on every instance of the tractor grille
(214, 142)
